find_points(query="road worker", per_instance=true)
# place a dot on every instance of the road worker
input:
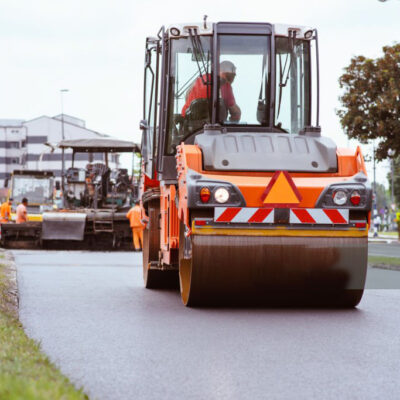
(227, 74)
(134, 217)
(22, 213)
(5, 211)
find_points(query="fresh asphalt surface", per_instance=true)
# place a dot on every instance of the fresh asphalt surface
(118, 340)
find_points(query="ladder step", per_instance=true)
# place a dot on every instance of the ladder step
(103, 225)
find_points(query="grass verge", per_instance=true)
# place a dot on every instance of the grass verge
(384, 262)
(25, 372)
(392, 234)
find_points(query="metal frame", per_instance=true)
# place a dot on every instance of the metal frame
(163, 97)
(150, 128)
(317, 66)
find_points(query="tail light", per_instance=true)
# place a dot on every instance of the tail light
(205, 194)
(355, 194)
(361, 224)
(355, 198)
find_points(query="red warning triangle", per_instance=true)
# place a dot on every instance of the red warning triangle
(281, 191)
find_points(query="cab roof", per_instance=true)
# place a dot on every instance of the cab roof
(206, 28)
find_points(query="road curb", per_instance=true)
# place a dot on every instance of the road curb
(389, 267)
(382, 240)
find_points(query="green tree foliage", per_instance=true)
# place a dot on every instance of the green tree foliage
(371, 100)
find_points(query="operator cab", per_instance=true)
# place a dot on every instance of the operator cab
(239, 77)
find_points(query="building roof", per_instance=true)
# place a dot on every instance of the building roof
(11, 122)
(57, 118)
(70, 120)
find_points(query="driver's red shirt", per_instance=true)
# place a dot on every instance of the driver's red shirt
(199, 91)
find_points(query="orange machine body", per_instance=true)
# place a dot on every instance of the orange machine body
(251, 185)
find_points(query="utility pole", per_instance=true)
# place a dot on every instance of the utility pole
(375, 210)
(374, 167)
(391, 154)
(62, 91)
(392, 167)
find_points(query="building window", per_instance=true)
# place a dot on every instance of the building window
(13, 145)
(14, 131)
(23, 143)
(14, 161)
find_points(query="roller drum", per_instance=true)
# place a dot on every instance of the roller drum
(273, 271)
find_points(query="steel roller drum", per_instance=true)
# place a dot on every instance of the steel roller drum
(274, 271)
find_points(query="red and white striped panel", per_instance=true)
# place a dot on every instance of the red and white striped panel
(318, 216)
(244, 214)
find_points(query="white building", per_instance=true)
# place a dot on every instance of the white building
(22, 144)
(12, 146)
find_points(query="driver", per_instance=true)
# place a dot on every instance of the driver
(227, 74)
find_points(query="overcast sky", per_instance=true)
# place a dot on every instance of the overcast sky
(95, 48)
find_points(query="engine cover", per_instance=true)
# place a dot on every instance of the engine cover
(238, 151)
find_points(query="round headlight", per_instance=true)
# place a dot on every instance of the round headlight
(221, 195)
(340, 197)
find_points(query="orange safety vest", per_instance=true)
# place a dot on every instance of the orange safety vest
(134, 216)
(5, 212)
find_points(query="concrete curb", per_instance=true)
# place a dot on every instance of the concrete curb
(389, 267)
(382, 240)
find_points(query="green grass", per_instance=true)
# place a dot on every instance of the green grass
(374, 260)
(25, 372)
(394, 234)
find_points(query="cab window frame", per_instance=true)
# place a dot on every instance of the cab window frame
(308, 117)
(170, 92)
(267, 85)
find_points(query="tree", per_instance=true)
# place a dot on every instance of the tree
(371, 100)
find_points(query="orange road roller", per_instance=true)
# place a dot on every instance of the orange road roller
(245, 202)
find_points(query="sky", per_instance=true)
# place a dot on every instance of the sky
(95, 48)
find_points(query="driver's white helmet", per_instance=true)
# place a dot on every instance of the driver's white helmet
(227, 66)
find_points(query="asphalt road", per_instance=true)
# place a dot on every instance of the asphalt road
(120, 341)
(384, 249)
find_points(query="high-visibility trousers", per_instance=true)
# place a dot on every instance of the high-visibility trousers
(137, 234)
